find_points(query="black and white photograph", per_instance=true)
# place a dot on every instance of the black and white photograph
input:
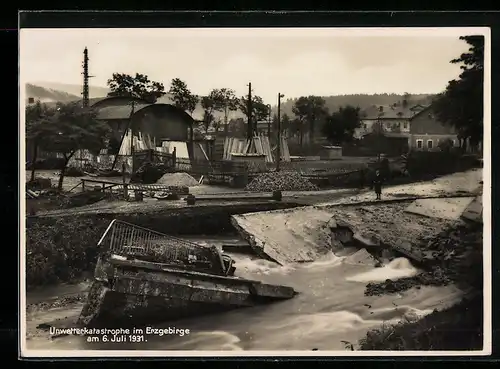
(255, 192)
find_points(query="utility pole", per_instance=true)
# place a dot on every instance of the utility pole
(132, 149)
(249, 113)
(269, 122)
(85, 92)
(278, 155)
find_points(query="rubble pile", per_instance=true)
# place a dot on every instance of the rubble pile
(436, 277)
(177, 180)
(454, 256)
(148, 173)
(280, 181)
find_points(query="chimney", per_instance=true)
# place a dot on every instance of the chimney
(31, 100)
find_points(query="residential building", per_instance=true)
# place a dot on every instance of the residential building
(393, 118)
(427, 132)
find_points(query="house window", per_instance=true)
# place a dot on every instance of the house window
(420, 144)
(429, 144)
(405, 125)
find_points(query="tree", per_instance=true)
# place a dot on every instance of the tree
(139, 86)
(445, 145)
(285, 123)
(184, 99)
(237, 127)
(339, 127)
(36, 114)
(225, 101)
(208, 105)
(260, 110)
(181, 95)
(310, 110)
(69, 129)
(461, 104)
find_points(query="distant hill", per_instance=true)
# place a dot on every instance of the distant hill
(48, 92)
(54, 92)
(72, 89)
(364, 101)
(48, 95)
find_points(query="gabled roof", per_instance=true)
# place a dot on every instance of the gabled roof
(391, 111)
(426, 109)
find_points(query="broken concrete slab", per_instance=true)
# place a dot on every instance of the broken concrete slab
(389, 226)
(474, 211)
(448, 208)
(287, 236)
(361, 257)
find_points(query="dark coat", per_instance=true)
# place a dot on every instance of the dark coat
(377, 184)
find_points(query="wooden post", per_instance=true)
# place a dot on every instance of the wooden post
(278, 148)
(124, 181)
(83, 185)
(250, 127)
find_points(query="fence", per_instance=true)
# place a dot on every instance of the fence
(123, 238)
(204, 167)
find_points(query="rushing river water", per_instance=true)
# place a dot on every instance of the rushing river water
(330, 308)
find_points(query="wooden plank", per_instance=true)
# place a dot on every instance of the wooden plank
(248, 146)
(267, 149)
(224, 151)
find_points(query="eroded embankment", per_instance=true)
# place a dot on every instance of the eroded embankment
(458, 259)
(449, 251)
(63, 248)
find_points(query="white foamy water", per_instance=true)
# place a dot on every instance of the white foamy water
(397, 268)
(331, 307)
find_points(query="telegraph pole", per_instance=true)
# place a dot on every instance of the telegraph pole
(85, 92)
(132, 149)
(269, 122)
(249, 111)
(278, 155)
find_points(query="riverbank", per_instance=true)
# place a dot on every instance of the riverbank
(457, 328)
(333, 304)
(459, 259)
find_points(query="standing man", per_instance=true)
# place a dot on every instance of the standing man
(377, 184)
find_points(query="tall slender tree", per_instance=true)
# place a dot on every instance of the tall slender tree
(461, 104)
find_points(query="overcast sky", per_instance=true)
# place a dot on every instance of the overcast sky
(295, 62)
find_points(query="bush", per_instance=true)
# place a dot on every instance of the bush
(74, 172)
(458, 328)
(47, 164)
(60, 250)
(437, 162)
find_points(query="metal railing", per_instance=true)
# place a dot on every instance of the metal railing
(125, 239)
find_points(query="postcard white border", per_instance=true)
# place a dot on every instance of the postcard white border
(299, 32)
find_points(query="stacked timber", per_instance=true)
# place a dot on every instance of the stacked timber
(257, 145)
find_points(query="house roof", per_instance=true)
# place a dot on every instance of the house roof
(426, 109)
(391, 111)
(123, 111)
(118, 111)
